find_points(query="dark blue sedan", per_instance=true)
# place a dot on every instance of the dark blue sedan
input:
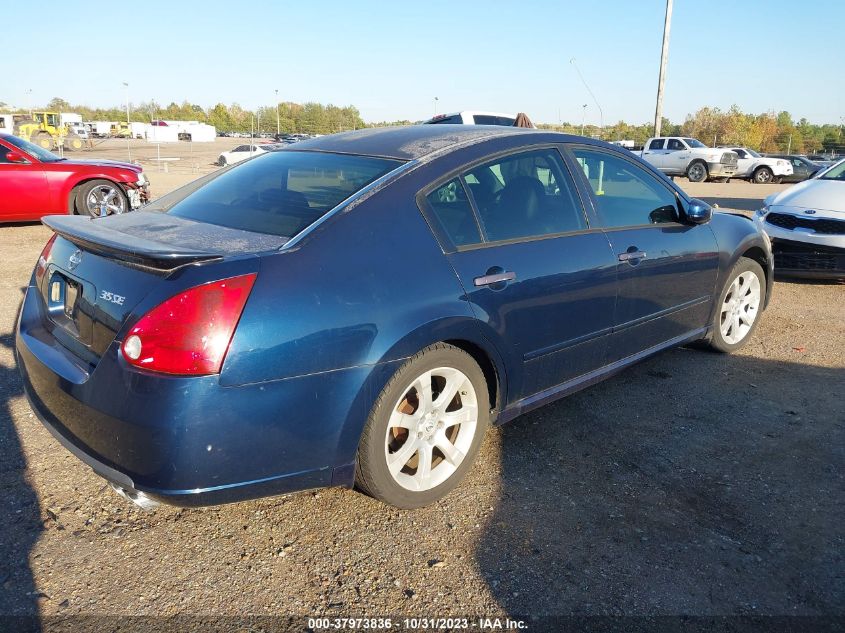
(358, 309)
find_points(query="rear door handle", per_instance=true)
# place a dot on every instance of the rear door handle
(630, 255)
(488, 280)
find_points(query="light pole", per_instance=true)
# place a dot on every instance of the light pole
(278, 124)
(601, 112)
(29, 101)
(664, 59)
(583, 117)
(128, 127)
(435, 105)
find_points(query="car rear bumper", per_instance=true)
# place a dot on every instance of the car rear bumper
(720, 170)
(190, 441)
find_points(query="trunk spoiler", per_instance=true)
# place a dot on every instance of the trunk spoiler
(158, 240)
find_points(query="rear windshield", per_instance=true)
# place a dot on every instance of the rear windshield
(280, 193)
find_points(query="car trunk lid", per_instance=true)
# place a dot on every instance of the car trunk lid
(100, 269)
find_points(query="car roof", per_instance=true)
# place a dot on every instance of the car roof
(417, 141)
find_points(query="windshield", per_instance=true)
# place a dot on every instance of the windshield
(280, 193)
(44, 155)
(837, 172)
(692, 142)
(753, 153)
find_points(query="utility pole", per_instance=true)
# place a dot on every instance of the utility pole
(583, 81)
(435, 105)
(278, 125)
(664, 59)
(29, 101)
(128, 126)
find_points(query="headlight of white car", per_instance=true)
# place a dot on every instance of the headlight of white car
(781, 163)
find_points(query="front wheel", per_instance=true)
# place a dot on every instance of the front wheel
(740, 303)
(697, 172)
(763, 176)
(93, 195)
(425, 429)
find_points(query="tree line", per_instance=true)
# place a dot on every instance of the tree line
(312, 118)
(766, 132)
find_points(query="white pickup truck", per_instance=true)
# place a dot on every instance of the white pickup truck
(681, 156)
(760, 169)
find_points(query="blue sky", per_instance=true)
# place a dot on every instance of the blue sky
(390, 59)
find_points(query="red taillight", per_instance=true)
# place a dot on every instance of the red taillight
(189, 334)
(41, 266)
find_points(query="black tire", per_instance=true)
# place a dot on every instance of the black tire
(763, 176)
(717, 341)
(43, 140)
(81, 203)
(73, 143)
(697, 171)
(372, 475)
(221, 161)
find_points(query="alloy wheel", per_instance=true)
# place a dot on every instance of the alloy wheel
(105, 194)
(431, 429)
(740, 307)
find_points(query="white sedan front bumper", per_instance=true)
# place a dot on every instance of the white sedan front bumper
(805, 242)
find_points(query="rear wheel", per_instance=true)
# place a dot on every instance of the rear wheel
(763, 176)
(425, 429)
(697, 172)
(740, 303)
(91, 196)
(73, 143)
(221, 161)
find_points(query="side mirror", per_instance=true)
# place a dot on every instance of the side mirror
(15, 157)
(699, 212)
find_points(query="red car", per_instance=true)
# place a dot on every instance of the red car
(34, 182)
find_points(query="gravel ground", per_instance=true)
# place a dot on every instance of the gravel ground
(693, 483)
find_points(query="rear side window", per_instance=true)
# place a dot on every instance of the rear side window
(656, 144)
(456, 119)
(487, 119)
(280, 193)
(525, 195)
(626, 195)
(452, 209)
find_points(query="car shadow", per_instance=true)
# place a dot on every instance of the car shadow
(741, 204)
(694, 483)
(20, 514)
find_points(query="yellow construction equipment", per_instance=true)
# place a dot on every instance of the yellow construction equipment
(46, 130)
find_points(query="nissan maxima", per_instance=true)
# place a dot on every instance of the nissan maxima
(358, 309)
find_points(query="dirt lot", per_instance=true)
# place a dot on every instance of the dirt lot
(693, 483)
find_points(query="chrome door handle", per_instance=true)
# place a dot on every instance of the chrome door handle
(626, 257)
(488, 280)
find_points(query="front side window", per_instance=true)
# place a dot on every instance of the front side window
(279, 193)
(524, 195)
(626, 194)
(740, 153)
(674, 145)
